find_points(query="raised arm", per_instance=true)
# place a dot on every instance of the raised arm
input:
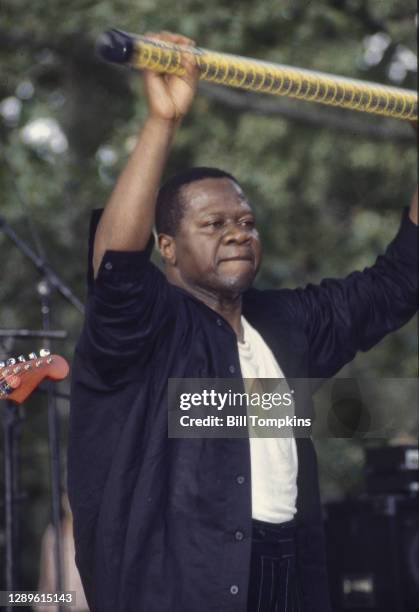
(128, 219)
(343, 316)
(366, 306)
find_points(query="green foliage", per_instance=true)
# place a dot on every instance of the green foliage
(327, 201)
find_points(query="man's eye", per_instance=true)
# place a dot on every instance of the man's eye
(215, 223)
(248, 222)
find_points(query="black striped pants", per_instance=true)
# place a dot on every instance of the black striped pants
(273, 584)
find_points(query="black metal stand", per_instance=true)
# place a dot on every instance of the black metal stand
(12, 425)
(42, 266)
(44, 291)
(11, 428)
(30, 333)
(50, 280)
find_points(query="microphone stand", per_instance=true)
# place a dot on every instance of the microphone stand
(11, 420)
(44, 292)
(41, 265)
(31, 333)
(50, 280)
(12, 425)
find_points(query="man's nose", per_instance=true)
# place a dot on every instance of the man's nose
(236, 233)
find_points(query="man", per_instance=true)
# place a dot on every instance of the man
(165, 524)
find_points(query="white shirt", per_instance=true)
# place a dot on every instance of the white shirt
(274, 462)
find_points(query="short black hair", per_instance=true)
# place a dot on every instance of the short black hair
(170, 205)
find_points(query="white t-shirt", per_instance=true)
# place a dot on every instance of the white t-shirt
(274, 462)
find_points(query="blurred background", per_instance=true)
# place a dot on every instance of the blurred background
(328, 185)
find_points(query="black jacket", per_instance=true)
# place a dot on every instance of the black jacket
(154, 517)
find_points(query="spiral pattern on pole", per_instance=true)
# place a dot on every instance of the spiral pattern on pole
(144, 53)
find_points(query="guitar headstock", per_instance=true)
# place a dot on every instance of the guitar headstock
(20, 376)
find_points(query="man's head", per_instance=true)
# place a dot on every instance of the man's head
(206, 232)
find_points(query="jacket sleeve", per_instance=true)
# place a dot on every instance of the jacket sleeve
(343, 316)
(127, 305)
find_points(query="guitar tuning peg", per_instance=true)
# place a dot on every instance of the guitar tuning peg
(33, 356)
(2, 364)
(11, 361)
(44, 352)
(21, 359)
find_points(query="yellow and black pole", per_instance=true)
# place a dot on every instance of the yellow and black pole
(235, 71)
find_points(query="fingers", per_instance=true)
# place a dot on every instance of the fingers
(191, 69)
(188, 61)
(171, 37)
(179, 39)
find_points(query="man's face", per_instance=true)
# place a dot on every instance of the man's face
(217, 245)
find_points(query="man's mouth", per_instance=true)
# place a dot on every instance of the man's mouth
(236, 259)
(244, 257)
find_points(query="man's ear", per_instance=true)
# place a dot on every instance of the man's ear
(167, 248)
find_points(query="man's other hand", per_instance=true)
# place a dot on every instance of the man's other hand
(413, 212)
